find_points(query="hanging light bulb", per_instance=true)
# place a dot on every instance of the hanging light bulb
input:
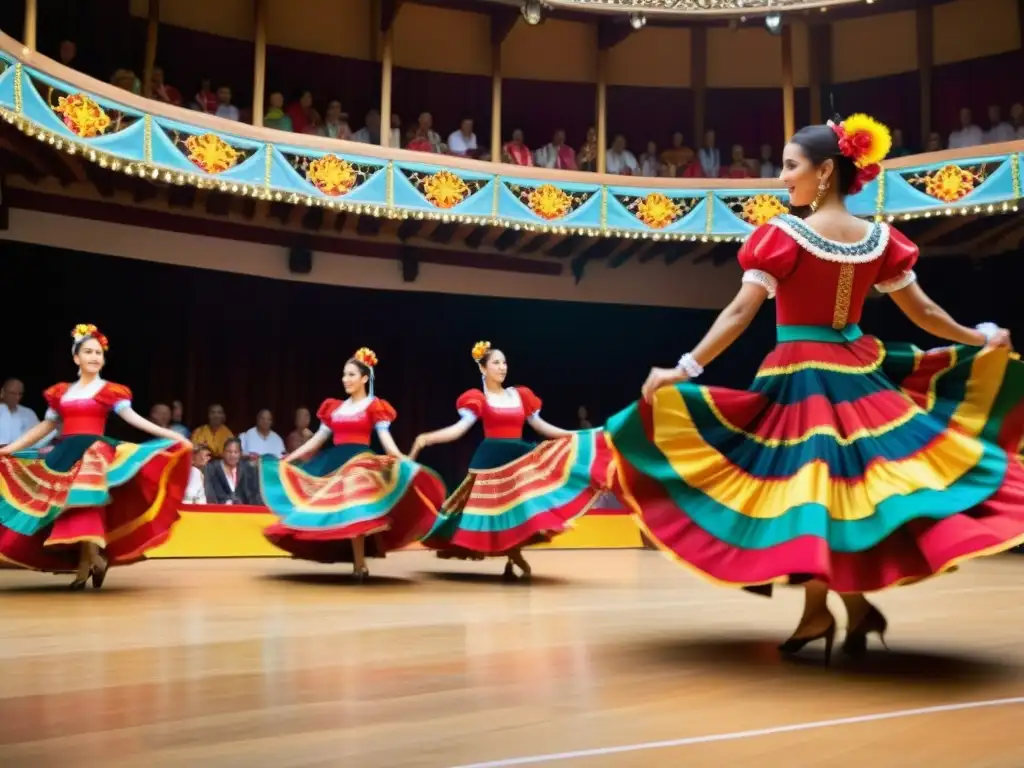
(532, 12)
(773, 23)
(637, 20)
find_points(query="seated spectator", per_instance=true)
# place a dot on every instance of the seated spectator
(934, 142)
(620, 160)
(178, 418)
(15, 418)
(261, 440)
(586, 158)
(678, 156)
(425, 132)
(302, 432)
(370, 132)
(206, 98)
(1017, 118)
(275, 117)
(195, 493)
(463, 141)
(304, 118)
(650, 162)
(767, 167)
(740, 168)
(557, 154)
(516, 152)
(126, 80)
(416, 141)
(709, 157)
(899, 149)
(232, 481)
(68, 53)
(160, 414)
(214, 434)
(969, 135)
(292, 443)
(168, 94)
(999, 130)
(225, 108)
(335, 125)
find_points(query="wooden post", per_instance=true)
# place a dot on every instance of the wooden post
(699, 79)
(31, 24)
(925, 57)
(496, 102)
(788, 93)
(259, 74)
(152, 32)
(602, 110)
(387, 56)
(819, 65)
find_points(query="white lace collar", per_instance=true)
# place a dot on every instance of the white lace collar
(869, 248)
(508, 399)
(347, 407)
(78, 391)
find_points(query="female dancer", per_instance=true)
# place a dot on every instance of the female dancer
(848, 465)
(515, 494)
(92, 501)
(330, 504)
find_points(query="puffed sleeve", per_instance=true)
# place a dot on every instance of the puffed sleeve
(768, 257)
(897, 270)
(531, 403)
(52, 395)
(323, 414)
(381, 414)
(116, 396)
(470, 405)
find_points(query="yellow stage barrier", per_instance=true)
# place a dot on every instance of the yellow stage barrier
(211, 531)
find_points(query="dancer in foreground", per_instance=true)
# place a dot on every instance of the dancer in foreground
(847, 465)
(91, 502)
(515, 494)
(348, 503)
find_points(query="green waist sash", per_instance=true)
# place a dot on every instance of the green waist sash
(823, 333)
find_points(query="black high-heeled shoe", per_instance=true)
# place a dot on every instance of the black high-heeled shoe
(99, 574)
(509, 573)
(79, 584)
(361, 575)
(796, 644)
(856, 642)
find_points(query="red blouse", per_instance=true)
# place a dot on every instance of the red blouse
(358, 425)
(500, 423)
(85, 416)
(819, 281)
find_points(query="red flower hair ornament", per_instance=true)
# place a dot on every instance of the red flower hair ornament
(84, 331)
(866, 142)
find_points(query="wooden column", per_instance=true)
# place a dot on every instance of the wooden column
(31, 24)
(788, 93)
(388, 13)
(602, 110)
(699, 80)
(152, 33)
(502, 22)
(259, 72)
(819, 67)
(925, 57)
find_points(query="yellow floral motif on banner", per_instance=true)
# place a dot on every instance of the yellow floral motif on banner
(332, 175)
(211, 153)
(444, 189)
(549, 202)
(760, 209)
(949, 184)
(83, 116)
(658, 211)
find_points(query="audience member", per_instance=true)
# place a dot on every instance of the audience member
(195, 493)
(302, 432)
(275, 117)
(619, 160)
(215, 433)
(709, 156)
(898, 147)
(178, 418)
(261, 440)
(516, 152)
(162, 91)
(225, 108)
(969, 134)
(679, 156)
(557, 154)
(206, 98)
(230, 480)
(650, 161)
(740, 167)
(1017, 118)
(767, 168)
(463, 141)
(999, 130)
(160, 414)
(586, 159)
(335, 125)
(15, 418)
(304, 118)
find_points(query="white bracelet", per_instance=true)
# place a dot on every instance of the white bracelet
(988, 330)
(689, 366)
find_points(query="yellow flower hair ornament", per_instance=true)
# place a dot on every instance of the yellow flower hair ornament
(866, 142)
(480, 349)
(366, 356)
(84, 331)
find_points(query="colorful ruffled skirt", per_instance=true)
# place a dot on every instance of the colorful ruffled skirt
(124, 497)
(861, 465)
(347, 491)
(517, 494)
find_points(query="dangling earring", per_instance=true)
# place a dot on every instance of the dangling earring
(822, 189)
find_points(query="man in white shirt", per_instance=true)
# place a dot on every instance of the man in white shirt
(195, 492)
(463, 141)
(261, 440)
(969, 134)
(225, 108)
(15, 418)
(999, 130)
(620, 160)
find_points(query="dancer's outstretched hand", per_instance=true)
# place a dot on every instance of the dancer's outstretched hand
(658, 378)
(1000, 339)
(418, 445)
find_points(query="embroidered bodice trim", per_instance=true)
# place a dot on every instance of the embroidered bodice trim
(869, 248)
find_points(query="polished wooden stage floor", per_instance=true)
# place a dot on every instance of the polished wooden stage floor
(281, 663)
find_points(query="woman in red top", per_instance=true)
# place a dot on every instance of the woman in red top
(92, 501)
(516, 494)
(329, 505)
(848, 465)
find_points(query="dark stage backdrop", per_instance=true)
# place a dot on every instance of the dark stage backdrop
(248, 343)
